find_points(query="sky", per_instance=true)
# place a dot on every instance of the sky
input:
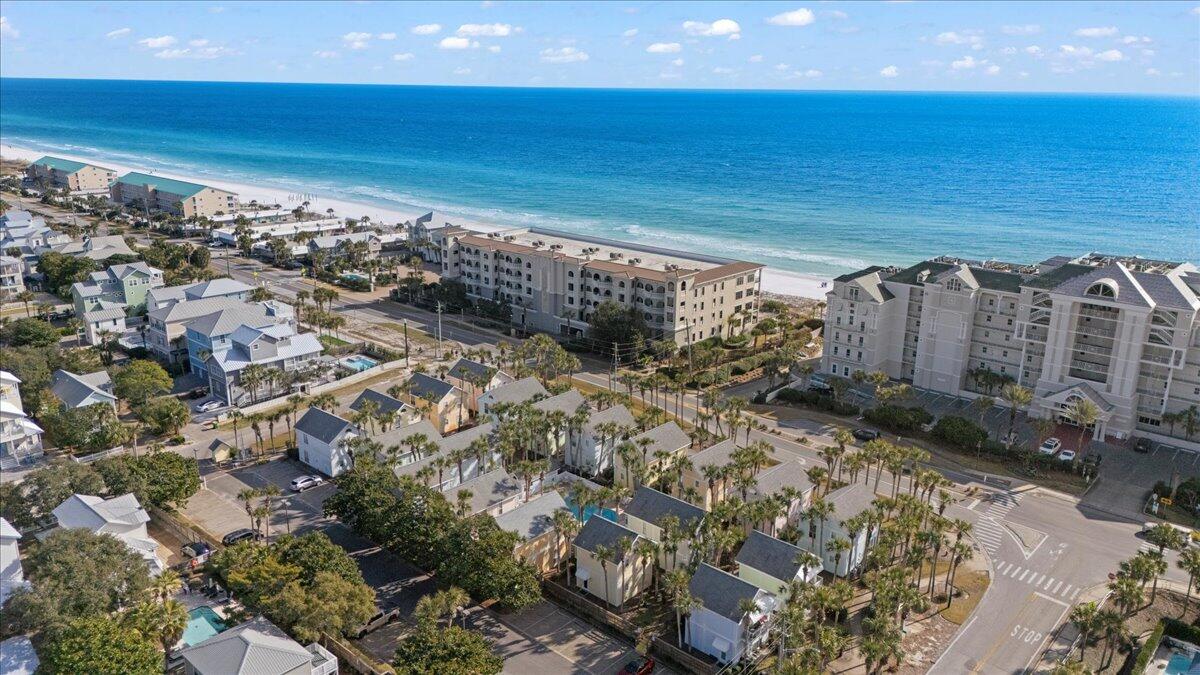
(1127, 47)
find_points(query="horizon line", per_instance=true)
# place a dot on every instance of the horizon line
(630, 88)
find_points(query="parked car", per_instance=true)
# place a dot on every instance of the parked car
(1143, 445)
(239, 535)
(1066, 456)
(379, 620)
(865, 434)
(1050, 446)
(197, 552)
(638, 668)
(208, 406)
(302, 483)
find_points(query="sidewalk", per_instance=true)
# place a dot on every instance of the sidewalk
(1065, 636)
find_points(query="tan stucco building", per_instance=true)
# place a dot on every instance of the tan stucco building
(181, 198)
(67, 173)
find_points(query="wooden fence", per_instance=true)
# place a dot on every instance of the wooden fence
(350, 658)
(179, 527)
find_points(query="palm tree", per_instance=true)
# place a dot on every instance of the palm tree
(1083, 413)
(1016, 397)
(602, 553)
(1189, 561)
(1086, 618)
(247, 497)
(565, 527)
(1126, 593)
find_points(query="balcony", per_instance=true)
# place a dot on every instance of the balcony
(1099, 314)
(1086, 329)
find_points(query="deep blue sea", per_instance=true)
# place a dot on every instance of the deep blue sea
(818, 182)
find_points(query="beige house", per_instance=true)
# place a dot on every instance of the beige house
(442, 403)
(156, 193)
(533, 521)
(668, 438)
(606, 565)
(645, 515)
(67, 173)
(556, 280)
(711, 493)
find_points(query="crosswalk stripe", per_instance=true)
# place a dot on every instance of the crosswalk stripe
(1038, 582)
(1024, 575)
(1058, 587)
(1075, 594)
(1067, 589)
(1048, 584)
(1004, 567)
(1015, 570)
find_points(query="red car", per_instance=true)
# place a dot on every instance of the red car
(634, 668)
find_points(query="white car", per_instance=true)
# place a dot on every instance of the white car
(1066, 456)
(209, 406)
(303, 483)
(1050, 447)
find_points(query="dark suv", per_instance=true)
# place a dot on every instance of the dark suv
(243, 534)
(1143, 445)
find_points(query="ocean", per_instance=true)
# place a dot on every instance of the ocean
(813, 182)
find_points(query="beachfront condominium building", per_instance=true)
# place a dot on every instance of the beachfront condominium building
(554, 281)
(1120, 331)
(155, 193)
(56, 172)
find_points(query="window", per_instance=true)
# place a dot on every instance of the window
(953, 285)
(1102, 289)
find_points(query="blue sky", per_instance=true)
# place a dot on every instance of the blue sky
(1143, 47)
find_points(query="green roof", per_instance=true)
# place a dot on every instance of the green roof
(68, 165)
(175, 187)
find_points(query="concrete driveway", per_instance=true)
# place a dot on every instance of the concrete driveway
(1126, 477)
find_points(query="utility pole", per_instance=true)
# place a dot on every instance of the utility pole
(612, 378)
(439, 327)
(407, 362)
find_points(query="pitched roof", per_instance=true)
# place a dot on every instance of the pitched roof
(567, 402)
(18, 657)
(466, 367)
(169, 185)
(518, 391)
(225, 321)
(463, 438)
(723, 271)
(667, 437)
(533, 518)
(617, 414)
(424, 384)
(97, 513)
(851, 500)
(74, 389)
(721, 592)
(216, 288)
(771, 481)
(487, 489)
(600, 531)
(7, 531)
(769, 555)
(322, 425)
(652, 506)
(396, 435)
(718, 454)
(385, 403)
(192, 309)
(257, 647)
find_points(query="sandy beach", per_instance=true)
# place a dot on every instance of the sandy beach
(775, 281)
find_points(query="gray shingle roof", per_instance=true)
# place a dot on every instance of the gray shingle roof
(617, 414)
(396, 435)
(424, 384)
(463, 438)
(600, 531)
(257, 647)
(74, 389)
(788, 474)
(491, 488)
(721, 592)
(186, 310)
(463, 368)
(518, 391)
(851, 500)
(567, 402)
(651, 506)
(225, 321)
(321, 425)
(534, 518)
(386, 403)
(714, 455)
(770, 555)
(667, 437)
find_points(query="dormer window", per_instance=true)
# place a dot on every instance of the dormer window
(1102, 289)
(954, 285)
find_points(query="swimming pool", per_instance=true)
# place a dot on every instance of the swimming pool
(359, 363)
(1180, 664)
(590, 511)
(202, 624)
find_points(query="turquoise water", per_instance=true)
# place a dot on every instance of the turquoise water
(1180, 664)
(820, 182)
(359, 363)
(202, 624)
(590, 511)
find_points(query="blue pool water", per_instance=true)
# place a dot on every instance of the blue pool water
(202, 624)
(1180, 664)
(359, 363)
(590, 511)
(818, 182)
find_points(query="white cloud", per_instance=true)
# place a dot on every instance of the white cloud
(664, 48)
(721, 70)
(965, 63)
(1074, 52)
(1196, 10)
(812, 72)
(782, 67)
(1110, 55)
(1021, 29)
(356, 40)
(677, 62)
(735, 36)
(1153, 72)
(118, 33)
(462, 71)
(796, 17)
(326, 54)
(1033, 50)
(966, 37)
(406, 56)
(457, 43)
(889, 71)
(426, 29)
(1135, 39)
(563, 55)
(993, 70)
(632, 32)
(158, 42)
(200, 53)
(198, 43)
(6, 28)
(933, 63)
(218, 10)
(486, 29)
(487, 4)
(836, 14)
(757, 58)
(1023, 74)
(387, 36)
(1097, 32)
(495, 49)
(1008, 51)
(1148, 52)
(717, 28)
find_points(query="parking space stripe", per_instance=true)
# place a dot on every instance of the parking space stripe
(1048, 584)
(1075, 594)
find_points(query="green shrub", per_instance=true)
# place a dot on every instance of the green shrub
(817, 400)
(898, 418)
(959, 432)
(1149, 647)
(1183, 631)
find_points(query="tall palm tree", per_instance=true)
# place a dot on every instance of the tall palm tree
(603, 553)
(1083, 413)
(1189, 561)
(1086, 617)
(1016, 397)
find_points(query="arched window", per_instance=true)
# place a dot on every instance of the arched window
(1102, 289)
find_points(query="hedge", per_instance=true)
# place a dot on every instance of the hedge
(1183, 631)
(959, 432)
(816, 400)
(1148, 648)
(898, 418)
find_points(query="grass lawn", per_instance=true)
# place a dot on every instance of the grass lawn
(972, 584)
(330, 342)
(635, 406)
(415, 336)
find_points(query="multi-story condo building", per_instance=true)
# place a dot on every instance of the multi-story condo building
(155, 193)
(121, 284)
(67, 173)
(1121, 331)
(554, 281)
